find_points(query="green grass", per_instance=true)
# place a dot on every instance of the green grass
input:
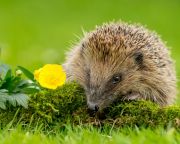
(92, 136)
(36, 32)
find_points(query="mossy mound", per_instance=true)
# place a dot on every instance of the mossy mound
(54, 108)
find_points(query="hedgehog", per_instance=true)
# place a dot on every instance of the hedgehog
(121, 61)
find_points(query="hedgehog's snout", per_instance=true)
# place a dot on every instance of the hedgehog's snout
(92, 100)
(93, 106)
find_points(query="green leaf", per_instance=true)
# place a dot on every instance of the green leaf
(5, 71)
(18, 99)
(12, 100)
(27, 73)
(11, 84)
(5, 75)
(27, 87)
(3, 91)
(3, 99)
(24, 83)
(8, 74)
(2, 105)
(30, 89)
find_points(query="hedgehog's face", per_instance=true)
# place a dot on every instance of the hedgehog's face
(107, 81)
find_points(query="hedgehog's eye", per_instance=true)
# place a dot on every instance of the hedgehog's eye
(116, 79)
(138, 57)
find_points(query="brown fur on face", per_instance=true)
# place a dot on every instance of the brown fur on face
(130, 53)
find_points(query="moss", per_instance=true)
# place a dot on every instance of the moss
(54, 108)
(48, 107)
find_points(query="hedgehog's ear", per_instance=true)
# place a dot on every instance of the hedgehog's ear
(138, 57)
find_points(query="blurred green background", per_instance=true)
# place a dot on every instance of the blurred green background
(36, 32)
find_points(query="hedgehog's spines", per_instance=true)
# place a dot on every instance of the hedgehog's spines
(110, 49)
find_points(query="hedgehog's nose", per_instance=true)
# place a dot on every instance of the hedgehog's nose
(93, 107)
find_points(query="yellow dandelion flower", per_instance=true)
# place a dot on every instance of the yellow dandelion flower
(50, 76)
